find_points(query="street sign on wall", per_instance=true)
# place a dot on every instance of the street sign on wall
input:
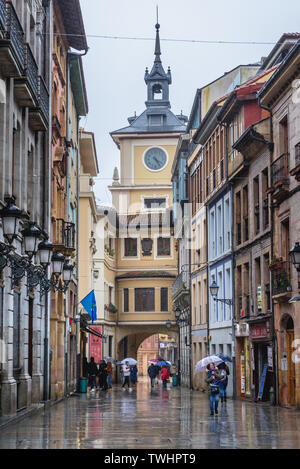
(96, 344)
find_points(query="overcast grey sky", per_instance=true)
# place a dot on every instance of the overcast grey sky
(114, 69)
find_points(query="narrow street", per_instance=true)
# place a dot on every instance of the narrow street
(161, 419)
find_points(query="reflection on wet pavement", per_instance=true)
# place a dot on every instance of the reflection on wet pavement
(145, 418)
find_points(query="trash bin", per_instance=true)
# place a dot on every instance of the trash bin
(174, 380)
(83, 384)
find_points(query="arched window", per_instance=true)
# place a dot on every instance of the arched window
(157, 91)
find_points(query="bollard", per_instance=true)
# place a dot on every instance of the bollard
(272, 395)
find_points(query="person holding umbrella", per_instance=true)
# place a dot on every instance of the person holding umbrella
(224, 372)
(165, 375)
(213, 380)
(126, 375)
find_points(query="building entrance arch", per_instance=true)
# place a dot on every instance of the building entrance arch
(287, 325)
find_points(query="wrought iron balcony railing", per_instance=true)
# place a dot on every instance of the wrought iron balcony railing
(64, 233)
(281, 279)
(43, 98)
(3, 15)
(181, 284)
(297, 154)
(31, 70)
(279, 170)
(15, 34)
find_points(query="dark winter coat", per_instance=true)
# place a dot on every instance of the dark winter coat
(133, 373)
(92, 368)
(152, 371)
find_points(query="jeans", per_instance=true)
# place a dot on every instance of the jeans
(92, 381)
(213, 400)
(109, 378)
(126, 381)
(223, 387)
(152, 382)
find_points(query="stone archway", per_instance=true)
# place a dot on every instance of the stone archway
(128, 342)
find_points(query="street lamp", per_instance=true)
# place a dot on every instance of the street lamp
(214, 288)
(295, 259)
(11, 216)
(31, 236)
(45, 249)
(295, 256)
(67, 273)
(168, 324)
(57, 261)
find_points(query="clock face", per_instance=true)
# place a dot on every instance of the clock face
(155, 159)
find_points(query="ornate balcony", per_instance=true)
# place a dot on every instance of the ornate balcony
(12, 53)
(39, 116)
(64, 236)
(26, 87)
(2, 17)
(280, 178)
(296, 170)
(281, 284)
(181, 289)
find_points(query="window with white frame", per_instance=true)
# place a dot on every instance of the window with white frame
(227, 228)
(219, 229)
(212, 234)
(228, 292)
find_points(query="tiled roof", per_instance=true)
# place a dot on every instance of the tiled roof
(73, 22)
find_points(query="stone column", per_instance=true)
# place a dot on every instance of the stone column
(37, 376)
(8, 382)
(24, 386)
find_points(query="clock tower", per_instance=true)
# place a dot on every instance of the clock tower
(145, 260)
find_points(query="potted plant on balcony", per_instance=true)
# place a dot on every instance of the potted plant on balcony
(276, 263)
(111, 308)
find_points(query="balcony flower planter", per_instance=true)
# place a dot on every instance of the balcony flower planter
(276, 264)
(111, 308)
(131, 253)
(110, 252)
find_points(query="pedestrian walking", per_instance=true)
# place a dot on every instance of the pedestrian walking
(173, 370)
(224, 372)
(103, 376)
(165, 376)
(126, 374)
(109, 375)
(92, 372)
(152, 372)
(213, 381)
(133, 374)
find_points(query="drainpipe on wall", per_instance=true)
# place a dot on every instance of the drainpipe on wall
(274, 336)
(47, 215)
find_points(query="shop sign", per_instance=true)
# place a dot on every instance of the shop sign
(242, 374)
(259, 298)
(270, 357)
(259, 332)
(284, 364)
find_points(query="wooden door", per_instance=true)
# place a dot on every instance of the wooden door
(291, 367)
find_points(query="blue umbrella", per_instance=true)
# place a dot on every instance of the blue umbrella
(162, 363)
(225, 358)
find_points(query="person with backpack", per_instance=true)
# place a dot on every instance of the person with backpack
(103, 376)
(224, 372)
(213, 380)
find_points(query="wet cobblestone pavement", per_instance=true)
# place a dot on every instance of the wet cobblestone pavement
(175, 418)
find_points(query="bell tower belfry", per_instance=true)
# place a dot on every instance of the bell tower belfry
(158, 80)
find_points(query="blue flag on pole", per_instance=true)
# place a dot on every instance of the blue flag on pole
(89, 304)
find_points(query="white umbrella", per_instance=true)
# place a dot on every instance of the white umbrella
(202, 364)
(109, 359)
(131, 361)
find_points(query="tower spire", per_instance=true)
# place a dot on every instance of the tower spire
(157, 51)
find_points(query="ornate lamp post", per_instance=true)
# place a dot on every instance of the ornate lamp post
(214, 289)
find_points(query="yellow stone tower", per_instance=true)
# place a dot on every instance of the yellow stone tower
(145, 256)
